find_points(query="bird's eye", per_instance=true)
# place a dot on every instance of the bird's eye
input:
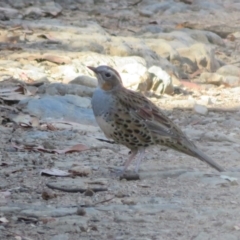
(107, 74)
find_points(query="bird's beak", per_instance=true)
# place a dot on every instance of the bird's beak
(92, 68)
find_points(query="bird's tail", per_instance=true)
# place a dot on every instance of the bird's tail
(203, 157)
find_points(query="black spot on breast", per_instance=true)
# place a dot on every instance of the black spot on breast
(136, 131)
(126, 135)
(125, 125)
(140, 145)
(128, 121)
(132, 144)
(129, 130)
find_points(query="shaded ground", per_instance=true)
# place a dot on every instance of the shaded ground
(177, 197)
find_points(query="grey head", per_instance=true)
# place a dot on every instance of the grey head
(108, 78)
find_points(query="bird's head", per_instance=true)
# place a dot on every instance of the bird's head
(108, 78)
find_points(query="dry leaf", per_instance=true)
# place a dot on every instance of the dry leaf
(56, 59)
(14, 93)
(49, 37)
(75, 148)
(24, 120)
(54, 172)
(5, 194)
(3, 220)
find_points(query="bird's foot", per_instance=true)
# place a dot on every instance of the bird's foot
(125, 174)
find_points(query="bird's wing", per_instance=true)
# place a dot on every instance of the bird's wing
(142, 109)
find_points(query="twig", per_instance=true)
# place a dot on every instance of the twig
(75, 190)
(134, 4)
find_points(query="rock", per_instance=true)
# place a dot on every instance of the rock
(48, 194)
(85, 81)
(9, 13)
(145, 13)
(229, 70)
(60, 237)
(119, 48)
(212, 78)
(33, 13)
(18, 4)
(162, 82)
(200, 109)
(69, 224)
(68, 108)
(64, 89)
(42, 211)
(81, 171)
(200, 54)
(154, 7)
(65, 73)
(202, 236)
(217, 79)
(52, 8)
(206, 37)
(146, 29)
(231, 81)
(163, 48)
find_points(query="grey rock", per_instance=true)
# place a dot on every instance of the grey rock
(9, 13)
(200, 109)
(48, 212)
(202, 236)
(229, 70)
(69, 224)
(228, 236)
(61, 237)
(151, 29)
(213, 78)
(145, 13)
(10, 209)
(85, 81)
(231, 81)
(219, 79)
(162, 174)
(63, 89)
(69, 108)
(206, 37)
(202, 55)
(162, 82)
(157, 7)
(18, 4)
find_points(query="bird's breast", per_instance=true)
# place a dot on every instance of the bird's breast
(102, 102)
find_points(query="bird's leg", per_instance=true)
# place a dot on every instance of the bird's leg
(130, 159)
(139, 159)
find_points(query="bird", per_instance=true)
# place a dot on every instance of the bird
(129, 118)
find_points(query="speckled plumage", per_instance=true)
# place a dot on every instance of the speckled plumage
(132, 120)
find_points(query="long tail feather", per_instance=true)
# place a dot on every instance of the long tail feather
(203, 157)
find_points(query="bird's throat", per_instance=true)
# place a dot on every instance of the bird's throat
(106, 86)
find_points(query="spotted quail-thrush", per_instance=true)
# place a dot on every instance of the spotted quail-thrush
(132, 120)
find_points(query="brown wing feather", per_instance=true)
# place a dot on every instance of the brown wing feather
(143, 109)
